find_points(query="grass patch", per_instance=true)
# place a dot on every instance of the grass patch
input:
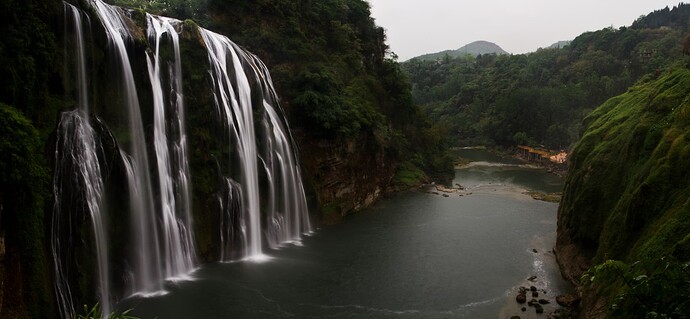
(547, 197)
(408, 175)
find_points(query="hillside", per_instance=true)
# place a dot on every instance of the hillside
(540, 98)
(626, 198)
(473, 49)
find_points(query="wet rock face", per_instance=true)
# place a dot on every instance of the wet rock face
(345, 177)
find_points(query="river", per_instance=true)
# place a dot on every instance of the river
(416, 255)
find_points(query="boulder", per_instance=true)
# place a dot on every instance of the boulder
(568, 301)
(521, 298)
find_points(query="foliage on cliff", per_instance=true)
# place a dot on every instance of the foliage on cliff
(541, 97)
(332, 68)
(627, 192)
(28, 105)
(23, 191)
(28, 53)
(650, 289)
(627, 195)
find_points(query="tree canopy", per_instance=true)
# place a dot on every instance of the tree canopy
(541, 97)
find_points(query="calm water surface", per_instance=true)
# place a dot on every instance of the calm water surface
(417, 255)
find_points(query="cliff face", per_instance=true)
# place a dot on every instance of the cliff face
(626, 194)
(346, 176)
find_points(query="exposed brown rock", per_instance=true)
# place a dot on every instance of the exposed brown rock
(568, 301)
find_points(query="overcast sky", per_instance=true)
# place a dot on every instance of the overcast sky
(416, 27)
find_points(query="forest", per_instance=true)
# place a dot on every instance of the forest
(540, 98)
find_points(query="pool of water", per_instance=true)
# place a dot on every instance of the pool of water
(416, 255)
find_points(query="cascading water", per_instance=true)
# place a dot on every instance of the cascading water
(234, 104)
(231, 230)
(287, 216)
(148, 274)
(287, 221)
(176, 217)
(78, 171)
(260, 193)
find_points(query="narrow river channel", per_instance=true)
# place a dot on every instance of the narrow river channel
(418, 254)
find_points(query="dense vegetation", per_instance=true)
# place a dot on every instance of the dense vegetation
(28, 105)
(650, 289)
(332, 68)
(542, 97)
(626, 195)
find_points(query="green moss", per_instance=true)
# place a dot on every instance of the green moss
(408, 175)
(190, 24)
(547, 197)
(628, 171)
(627, 191)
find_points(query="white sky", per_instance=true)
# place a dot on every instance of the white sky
(416, 27)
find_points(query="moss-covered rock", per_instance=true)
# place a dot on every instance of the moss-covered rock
(627, 192)
(626, 195)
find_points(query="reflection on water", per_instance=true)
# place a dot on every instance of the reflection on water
(417, 255)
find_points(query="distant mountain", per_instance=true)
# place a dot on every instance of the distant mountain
(559, 44)
(475, 48)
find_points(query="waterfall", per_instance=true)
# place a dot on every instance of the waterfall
(231, 230)
(176, 217)
(148, 272)
(287, 218)
(234, 105)
(77, 169)
(260, 194)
